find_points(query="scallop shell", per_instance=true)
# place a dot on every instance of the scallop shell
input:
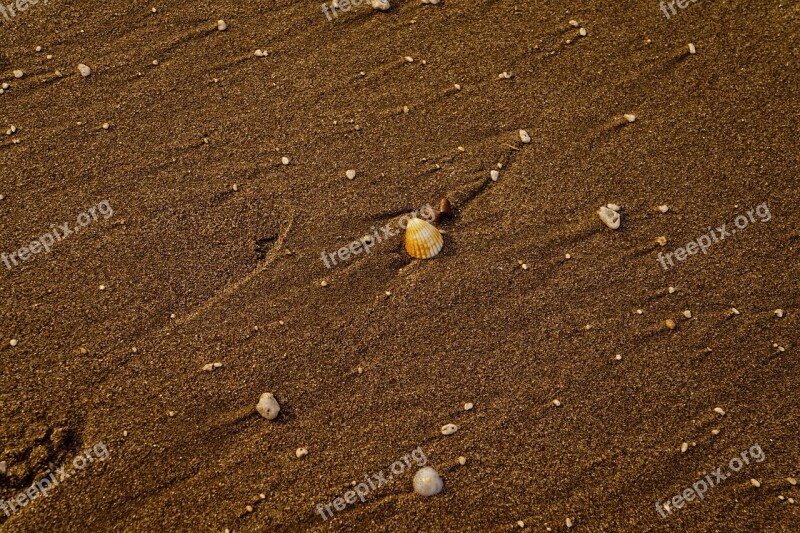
(423, 240)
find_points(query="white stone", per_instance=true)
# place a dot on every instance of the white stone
(524, 137)
(609, 217)
(468, 406)
(268, 406)
(351, 174)
(285, 160)
(494, 174)
(222, 25)
(18, 73)
(13, 342)
(84, 70)
(629, 117)
(449, 429)
(301, 452)
(427, 482)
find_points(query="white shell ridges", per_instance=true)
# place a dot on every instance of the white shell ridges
(423, 240)
(427, 482)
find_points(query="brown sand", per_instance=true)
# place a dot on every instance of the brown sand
(716, 135)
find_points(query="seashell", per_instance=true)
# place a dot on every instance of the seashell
(449, 429)
(423, 240)
(427, 482)
(609, 217)
(268, 406)
(445, 208)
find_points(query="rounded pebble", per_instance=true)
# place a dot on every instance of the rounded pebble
(268, 406)
(449, 429)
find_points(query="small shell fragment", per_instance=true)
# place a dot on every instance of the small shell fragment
(351, 174)
(268, 406)
(670, 323)
(719, 411)
(663, 208)
(629, 117)
(609, 217)
(779, 313)
(222, 25)
(524, 136)
(495, 175)
(301, 452)
(468, 406)
(449, 429)
(756, 483)
(422, 239)
(692, 49)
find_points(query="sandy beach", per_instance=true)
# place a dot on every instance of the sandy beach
(213, 207)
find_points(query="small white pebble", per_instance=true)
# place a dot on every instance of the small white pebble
(574, 23)
(260, 53)
(449, 429)
(351, 174)
(520, 524)
(715, 432)
(102, 287)
(663, 208)
(323, 283)
(792, 481)
(524, 266)
(557, 403)
(719, 411)
(687, 314)
(84, 70)
(38, 48)
(494, 174)
(671, 290)
(106, 125)
(734, 311)
(6, 86)
(462, 460)
(504, 76)
(640, 311)
(583, 32)
(285, 160)
(172, 316)
(684, 447)
(567, 256)
(13, 342)
(468, 406)
(268, 406)
(568, 522)
(222, 25)
(524, 137)
(301, 452)
(629, 117)
(618, 357)
(457, 87)
(756, 483)
(779, 313)
(409, 59)
(692, 49)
